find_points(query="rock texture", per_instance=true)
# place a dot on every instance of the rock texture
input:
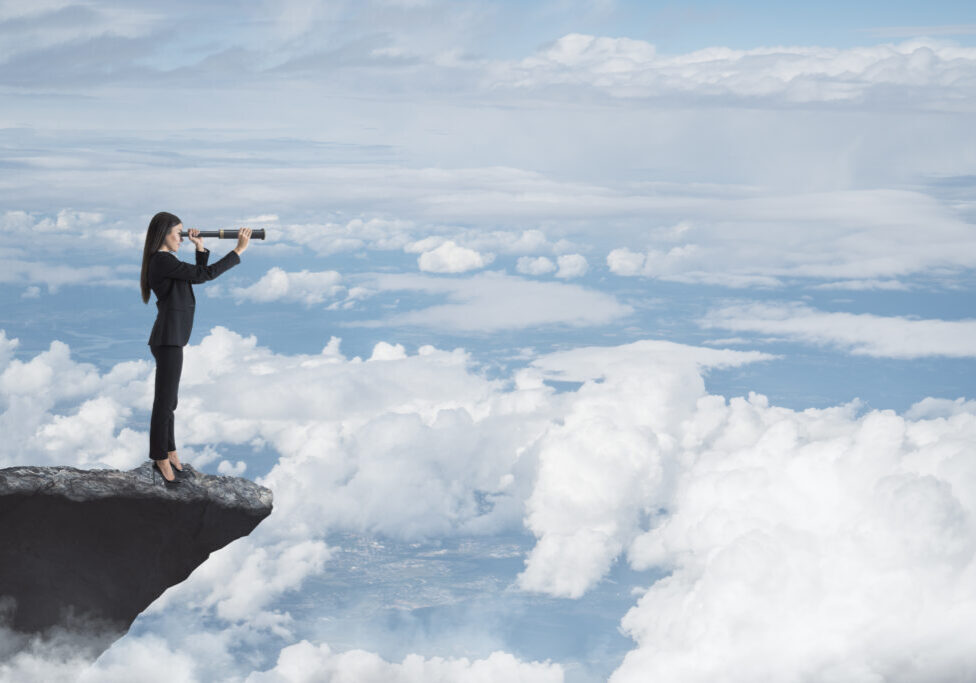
(90, 549)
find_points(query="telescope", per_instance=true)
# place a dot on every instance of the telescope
(226, 234)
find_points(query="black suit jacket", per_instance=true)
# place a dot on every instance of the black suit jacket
(172, 280)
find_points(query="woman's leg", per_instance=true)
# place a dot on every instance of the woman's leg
(169, 367)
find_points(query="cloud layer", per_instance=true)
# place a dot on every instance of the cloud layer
(848, 240)
(623, 67)
(796, 544)
(304, 662)
(494, 301)
(862, 334)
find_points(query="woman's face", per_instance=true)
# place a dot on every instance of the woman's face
(173, 239)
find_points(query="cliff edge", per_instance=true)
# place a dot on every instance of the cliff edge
(86, 550)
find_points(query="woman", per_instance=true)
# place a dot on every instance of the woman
(171, 280)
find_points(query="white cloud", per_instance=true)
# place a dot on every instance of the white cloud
(916, 31)
(227, 468)
(243, 579)
(385, 351)
(305, 663)
(802, 545)
(612, 437)
(340, 428)
(859, 333)
(57, 275)
(484, 303)
(624, 67)
(796, 544)
(867, 239)
(505, 241)
(358, 233)
(450, 258)
(933, 408)
(625, 262)
(306, 287)
(572, 265)
(540, 265)
(864, 285)
(53, 406)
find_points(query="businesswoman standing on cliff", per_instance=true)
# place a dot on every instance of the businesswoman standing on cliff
(171, 280)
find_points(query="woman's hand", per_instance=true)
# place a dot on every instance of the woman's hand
(194, 236)
(243, 240)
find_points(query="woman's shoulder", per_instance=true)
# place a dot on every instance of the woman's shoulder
(160, 263)
(161, 257)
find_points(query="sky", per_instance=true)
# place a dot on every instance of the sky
(591, 340)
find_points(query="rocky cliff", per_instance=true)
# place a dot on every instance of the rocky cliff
(88, 550)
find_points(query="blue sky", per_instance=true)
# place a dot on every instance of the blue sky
(572, 314)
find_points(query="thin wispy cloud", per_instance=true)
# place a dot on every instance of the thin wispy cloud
(494, 301)
(858, 333)
(917, 31)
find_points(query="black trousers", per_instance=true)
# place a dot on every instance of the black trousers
(169, 367)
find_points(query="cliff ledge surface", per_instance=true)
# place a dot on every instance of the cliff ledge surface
(88, 550)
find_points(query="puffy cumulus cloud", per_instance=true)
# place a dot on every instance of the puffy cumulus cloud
(305, 663)
(65, 249)
(505, 241)
(931, 408)
(627, 68)
(58, 411)
(625, 262)
(240, 582)
(613, 436)
(796, 545)
(65, 221)
(540, 265)
(304, 286)
(59, 234)
(209, 659)
(147, 658)
(393, 438)
(398, 444)
(451, 258)
(332, 238)
(862, 334)
(408, 446)
(484, 303)
(814, 545)
(866, 238)
(572, 265)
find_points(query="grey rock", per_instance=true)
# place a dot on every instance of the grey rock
(86, 551)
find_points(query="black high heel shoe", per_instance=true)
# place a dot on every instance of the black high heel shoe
(166, 482)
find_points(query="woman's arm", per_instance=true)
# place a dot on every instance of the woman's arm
(165, 264)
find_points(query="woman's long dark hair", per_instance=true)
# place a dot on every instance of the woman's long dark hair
(158, 227)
